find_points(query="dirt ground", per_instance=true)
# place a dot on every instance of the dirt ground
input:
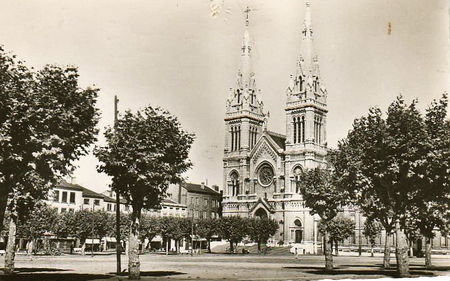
(214, 267)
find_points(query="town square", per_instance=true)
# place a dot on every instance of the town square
(224, 139)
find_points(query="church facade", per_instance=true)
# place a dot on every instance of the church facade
(261, 168)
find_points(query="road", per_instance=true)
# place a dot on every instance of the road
(210, 267)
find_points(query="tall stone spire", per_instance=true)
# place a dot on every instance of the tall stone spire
(245, 95)
(306, 60)
(307, 82)
(246, 78)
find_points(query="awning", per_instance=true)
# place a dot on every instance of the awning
(92, 241)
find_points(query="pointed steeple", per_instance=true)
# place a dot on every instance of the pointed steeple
(246, 78)
(307, 82)
(306, 60)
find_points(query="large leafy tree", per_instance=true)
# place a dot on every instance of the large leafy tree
(372, 229)
(149, 227)
(207, 228)
(432, 209)
(261, 229)
(233, 229)
(383, 164)
(145, 152)
(324, 199)
(339, 229)
(46, 123)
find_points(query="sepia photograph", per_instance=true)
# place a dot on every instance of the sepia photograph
(224, 140)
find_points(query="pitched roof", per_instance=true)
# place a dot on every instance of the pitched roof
(198, 188)
(86, 192)
(279, 139)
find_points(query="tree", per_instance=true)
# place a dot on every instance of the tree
(207, 228)
(372, 229)
(383, 165)
(167, 229)
(42, 220)
(433, 210)
(145, 152)
(46, 123)
(339, 229)
(261, 229)
(149, 228)
(233, 229)
(323, 198)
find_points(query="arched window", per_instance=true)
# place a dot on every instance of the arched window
(297, 231)
(234, 185)
(261, 213)
(295, 129)
(297, 173)
(302, 132)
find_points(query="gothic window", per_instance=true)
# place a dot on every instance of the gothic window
(302, 132)
(232, 138)
(297, 173)
(295, 129)
(234, 185)
(316, 84)
(265, 175)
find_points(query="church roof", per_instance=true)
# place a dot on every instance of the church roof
(279, 139)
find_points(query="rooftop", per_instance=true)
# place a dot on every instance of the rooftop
(199, 188)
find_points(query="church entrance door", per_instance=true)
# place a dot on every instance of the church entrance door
(298, 236)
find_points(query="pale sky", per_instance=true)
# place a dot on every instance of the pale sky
(176, 54)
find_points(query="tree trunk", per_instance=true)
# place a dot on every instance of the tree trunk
(231, 247)
(259, 246)
(209, 246)
(134, 270)
(336, 247)
(427, 252)
(328, 254)
(387, 250)
(11, 247)
(167, 246)
(371, 250)
(401, 251)
(3, 202)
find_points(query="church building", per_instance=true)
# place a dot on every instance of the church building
(261, 168)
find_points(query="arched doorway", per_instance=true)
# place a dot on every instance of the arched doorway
(261, 213)
(298, 231)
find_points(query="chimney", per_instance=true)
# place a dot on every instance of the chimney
(202, 185)
(215, 187)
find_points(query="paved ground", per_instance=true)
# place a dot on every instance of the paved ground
(210, 267)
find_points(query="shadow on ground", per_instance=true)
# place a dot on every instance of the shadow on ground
(53, 277)
(343, 270)
(153, 273)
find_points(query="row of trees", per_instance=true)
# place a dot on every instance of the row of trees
(45, 221)
(47, 122)
(396, 170)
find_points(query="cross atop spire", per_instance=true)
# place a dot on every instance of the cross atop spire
(247, 11)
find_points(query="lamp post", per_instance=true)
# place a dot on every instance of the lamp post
(92, 230)
(359, 233)
(118, 245)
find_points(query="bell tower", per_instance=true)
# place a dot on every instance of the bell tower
(244, 118)
(306, 108)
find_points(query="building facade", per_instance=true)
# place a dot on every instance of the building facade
(201, 201)
(261, 168)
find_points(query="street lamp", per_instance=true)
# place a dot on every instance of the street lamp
(92, 231)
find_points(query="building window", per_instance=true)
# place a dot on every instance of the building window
(86, 201)
(115, 208)
(96, 202)
(72, 197)
(127, 208)
(63, 210)
(64, 197)
(235, 138)
(109, 207)
(234, 186)
(56, 195)
(206, 202)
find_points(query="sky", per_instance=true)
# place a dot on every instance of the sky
(183, 55)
